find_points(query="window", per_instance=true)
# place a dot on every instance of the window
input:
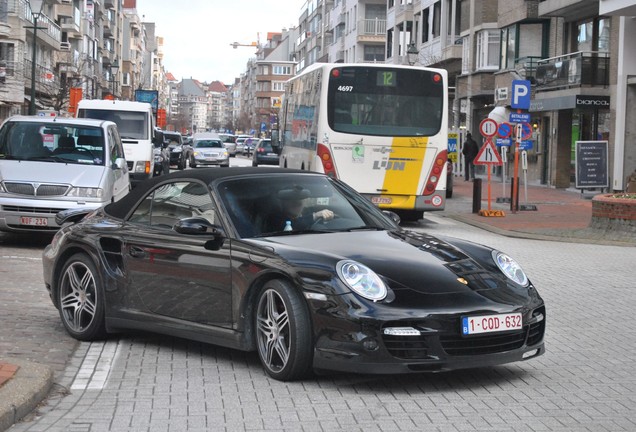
(171, 202)
(465, 55)
(425, 25)
(278, 85)
(373, 53)
(487, 50)
(282, 70)
(437, 10)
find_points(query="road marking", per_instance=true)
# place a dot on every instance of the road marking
(96, 366)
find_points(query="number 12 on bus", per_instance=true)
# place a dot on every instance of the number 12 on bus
(382, 129)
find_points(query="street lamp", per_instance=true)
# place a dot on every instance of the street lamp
(412, 54)
(36, 11)
(114, 67)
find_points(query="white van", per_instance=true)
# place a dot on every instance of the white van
(136, 124)
(50, 164)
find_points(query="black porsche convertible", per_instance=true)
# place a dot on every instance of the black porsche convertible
(195, 254)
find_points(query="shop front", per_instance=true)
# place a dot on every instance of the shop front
(562, 121)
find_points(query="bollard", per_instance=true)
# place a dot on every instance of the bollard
(476, 195)
(514, 203)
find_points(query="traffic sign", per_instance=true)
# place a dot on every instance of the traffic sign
(519, 117)
(488, 127)
(520, 94)
(488, 155)
(504, 130)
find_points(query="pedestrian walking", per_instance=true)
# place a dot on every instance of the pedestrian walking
(470, 150)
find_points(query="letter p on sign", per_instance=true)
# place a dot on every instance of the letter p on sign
(520, 94)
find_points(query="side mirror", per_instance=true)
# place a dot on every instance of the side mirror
(199, 226)
(392, 215)
(157, 140)
(120, 163)
(275, 138)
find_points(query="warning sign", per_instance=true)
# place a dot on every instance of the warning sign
(488, 155)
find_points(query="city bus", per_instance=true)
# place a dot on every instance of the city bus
(380, 128)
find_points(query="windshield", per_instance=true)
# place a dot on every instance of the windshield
(385, 101)
(131, 124)
(261, 206)
(208, 144)
(52, 142)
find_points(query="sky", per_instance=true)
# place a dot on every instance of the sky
(198, 33)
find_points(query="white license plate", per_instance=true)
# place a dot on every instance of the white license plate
(381, 200)
(34, 221)
(491, 323)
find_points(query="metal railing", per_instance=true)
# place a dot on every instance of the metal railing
(372, 27)
(573, 70)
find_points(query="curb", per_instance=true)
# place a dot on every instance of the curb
(556, 235)
(23, 392)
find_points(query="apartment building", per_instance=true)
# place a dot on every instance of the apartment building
(95, 47)
(262, 85)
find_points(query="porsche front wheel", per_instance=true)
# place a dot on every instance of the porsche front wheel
(283, 332)
(81, 301)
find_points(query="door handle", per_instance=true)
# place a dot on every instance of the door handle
(136, 252)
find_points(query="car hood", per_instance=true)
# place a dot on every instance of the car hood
(51, 172)
(407, 260)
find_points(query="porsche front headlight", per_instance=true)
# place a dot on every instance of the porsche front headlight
(510, 268)
(362, 280)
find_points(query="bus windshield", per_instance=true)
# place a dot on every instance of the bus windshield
(131, 124)
(385, 101)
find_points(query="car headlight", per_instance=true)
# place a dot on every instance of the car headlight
(362, 280)
(176, 149)
(510, 268)
(84, 192)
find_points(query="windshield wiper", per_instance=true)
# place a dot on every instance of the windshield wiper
(293, 232)
(365, 228)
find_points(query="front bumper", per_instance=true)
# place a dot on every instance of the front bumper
(436, 344)
(30, 215)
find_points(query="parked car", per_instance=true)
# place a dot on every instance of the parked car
(240, 143)
(249, 144)
(178, 150)
(50, 164)
(208, 149)
(354, 293)
(229, 141)
(264, 153)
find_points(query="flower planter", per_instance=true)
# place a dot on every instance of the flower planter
(616, 212)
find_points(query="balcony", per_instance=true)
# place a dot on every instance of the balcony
(371, 30)
(580, 69)
(48, 31)
(71, 27)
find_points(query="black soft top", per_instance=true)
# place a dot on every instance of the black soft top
(121, 208)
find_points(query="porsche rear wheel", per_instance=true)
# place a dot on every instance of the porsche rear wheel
(81, 300)
(283, 332)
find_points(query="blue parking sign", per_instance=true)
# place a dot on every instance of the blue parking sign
(520, 94)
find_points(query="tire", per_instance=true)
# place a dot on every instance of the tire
(181, 164)
(193, 164)
(449, 193)
(410, 215)
(254, 164)
(81, 299)
(283, 332)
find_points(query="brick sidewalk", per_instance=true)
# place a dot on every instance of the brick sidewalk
(560, 213)
(7, 371)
